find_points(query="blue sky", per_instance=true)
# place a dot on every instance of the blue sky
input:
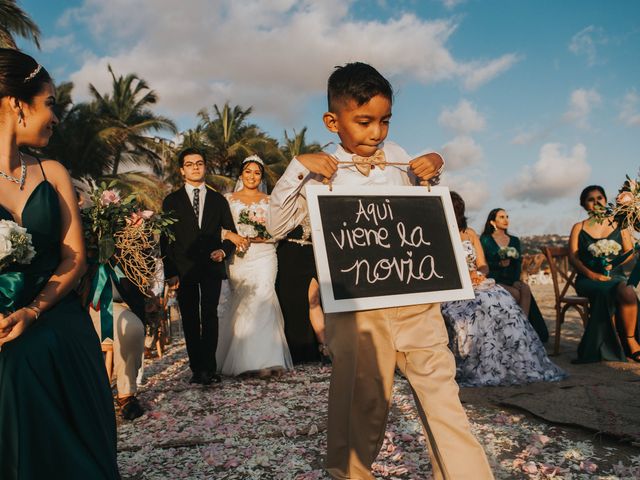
(529, 101)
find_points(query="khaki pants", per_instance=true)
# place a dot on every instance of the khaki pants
(128, 346)
(365, 348)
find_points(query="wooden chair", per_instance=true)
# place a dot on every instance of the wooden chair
(524, 272)
(558, 259)
(107, 349)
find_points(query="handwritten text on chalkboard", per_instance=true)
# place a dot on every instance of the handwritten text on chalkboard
(386, 245)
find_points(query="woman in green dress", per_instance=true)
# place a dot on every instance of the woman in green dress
(56, 410)
(612, 330)
(506, 271)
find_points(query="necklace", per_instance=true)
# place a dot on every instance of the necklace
(23, 173)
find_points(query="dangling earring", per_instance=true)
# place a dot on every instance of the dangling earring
(494, 226)
(20, 117)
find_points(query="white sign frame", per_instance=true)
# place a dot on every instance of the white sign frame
(332, 305)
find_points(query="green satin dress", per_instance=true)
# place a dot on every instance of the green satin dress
(56, 409)
(600, 340)
(509, 275)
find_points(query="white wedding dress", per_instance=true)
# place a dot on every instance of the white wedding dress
(251, 333)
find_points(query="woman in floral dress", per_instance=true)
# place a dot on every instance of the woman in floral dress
(490, 336)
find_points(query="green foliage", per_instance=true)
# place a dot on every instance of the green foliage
(110, 213)
(15, 21)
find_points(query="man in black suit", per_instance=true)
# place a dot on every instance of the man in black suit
(194, 261)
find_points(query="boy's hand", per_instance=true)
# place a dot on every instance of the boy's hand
(427, 166)
(320, 163)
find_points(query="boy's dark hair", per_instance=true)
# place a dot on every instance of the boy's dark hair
(190, 151)
(587, 190)
(20, 75)
(458, 208)
(358, 82)
(488, 228)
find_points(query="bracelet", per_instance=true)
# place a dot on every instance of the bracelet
(34, 309)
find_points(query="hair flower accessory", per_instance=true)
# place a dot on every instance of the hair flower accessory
(33, 74)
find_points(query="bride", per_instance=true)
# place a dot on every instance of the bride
(251, 336)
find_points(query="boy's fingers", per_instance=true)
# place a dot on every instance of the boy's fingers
(329, 167)
(424, 170)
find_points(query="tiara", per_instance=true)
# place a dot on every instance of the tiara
(33, 74)
(253, 158)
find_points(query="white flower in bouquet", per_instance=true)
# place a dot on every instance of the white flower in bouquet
(258, 215)
(248, 231)
(605, 248)
(15, 244)
(255, 218)
(508, 252)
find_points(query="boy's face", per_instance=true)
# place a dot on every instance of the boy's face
(361, 128)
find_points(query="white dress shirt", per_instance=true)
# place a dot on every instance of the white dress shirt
(203, 191)
(288, 205)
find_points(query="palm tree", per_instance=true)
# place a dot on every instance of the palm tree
(297, 144)
(126, 119)
(15, 21)
(293, 146)
(77, 145)
(75, 141)
(230, 139)
(148, 188)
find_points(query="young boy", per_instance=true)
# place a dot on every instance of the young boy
(367, 345)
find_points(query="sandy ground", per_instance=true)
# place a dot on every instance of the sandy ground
(581, 428)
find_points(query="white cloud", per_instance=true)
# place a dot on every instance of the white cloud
(534, 134)
(272, 54)
(462, 152)
(524, 138)
(479, 74)
(581, 103)
(555, 175)
(586, 43)
(463, 119)
(475, 193)
(629, 113)
(452, 3)
(528, 221)
(49, 44)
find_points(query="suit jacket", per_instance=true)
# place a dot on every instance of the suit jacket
(188, 256)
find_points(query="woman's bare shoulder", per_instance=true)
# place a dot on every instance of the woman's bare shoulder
(471, 232)
(56, 173)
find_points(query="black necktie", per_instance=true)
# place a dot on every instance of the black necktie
(196, 204)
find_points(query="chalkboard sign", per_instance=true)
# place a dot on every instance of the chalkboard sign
(386, 246)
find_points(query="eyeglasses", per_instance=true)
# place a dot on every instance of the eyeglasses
(192, 165)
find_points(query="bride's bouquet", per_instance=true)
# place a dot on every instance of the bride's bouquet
(605, 250)
(252, 223)
(15, 244)
(506, 253)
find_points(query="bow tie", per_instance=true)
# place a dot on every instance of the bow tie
(364, 164)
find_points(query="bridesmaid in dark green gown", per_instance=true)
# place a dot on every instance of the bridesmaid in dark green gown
(507, 272)
(612, 330)
(56, 410)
